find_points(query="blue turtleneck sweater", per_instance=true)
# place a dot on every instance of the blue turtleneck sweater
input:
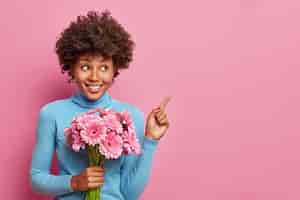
(125, 178)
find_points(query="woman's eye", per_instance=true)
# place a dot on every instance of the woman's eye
(84, 67)
(104, 68)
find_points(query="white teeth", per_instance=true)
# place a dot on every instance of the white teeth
(93, 88)
(93, 85)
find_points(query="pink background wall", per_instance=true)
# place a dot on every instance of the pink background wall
(231, 66)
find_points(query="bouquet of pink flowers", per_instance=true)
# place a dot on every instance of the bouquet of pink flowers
(106, 134)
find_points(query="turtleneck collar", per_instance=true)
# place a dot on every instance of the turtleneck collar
(104, 101)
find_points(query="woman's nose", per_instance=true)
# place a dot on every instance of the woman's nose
(94, 75)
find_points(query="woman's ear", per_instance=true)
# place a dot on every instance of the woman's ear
(71, 79)
(116, 72)
(71, 76)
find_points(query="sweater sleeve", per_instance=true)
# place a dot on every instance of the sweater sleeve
(135, 170)
(41, 179)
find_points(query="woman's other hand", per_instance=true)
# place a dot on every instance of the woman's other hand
(157, 121)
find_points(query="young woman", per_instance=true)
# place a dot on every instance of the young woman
(92, 50)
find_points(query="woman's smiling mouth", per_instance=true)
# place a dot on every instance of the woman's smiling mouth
(93, 88)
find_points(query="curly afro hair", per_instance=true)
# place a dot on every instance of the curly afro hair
(94, 34)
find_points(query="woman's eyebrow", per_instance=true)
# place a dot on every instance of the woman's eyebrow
(84, 59)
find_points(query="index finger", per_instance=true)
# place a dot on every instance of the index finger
(96, 168)
(164, 102)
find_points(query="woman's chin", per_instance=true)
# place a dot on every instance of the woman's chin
(93, 96)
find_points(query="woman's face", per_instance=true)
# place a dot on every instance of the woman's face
(93, 75)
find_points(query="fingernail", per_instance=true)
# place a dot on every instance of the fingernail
(156, 110)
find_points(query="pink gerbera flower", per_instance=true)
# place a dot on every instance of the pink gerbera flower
(93, 132)
(67, 131)
(111, 146)
(131, 144)
(125, 118)
(112, 123)
(77, 143)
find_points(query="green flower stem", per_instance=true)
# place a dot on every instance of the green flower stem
(95, 159)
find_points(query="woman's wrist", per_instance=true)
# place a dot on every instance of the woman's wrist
(74, 183)
(149, 136)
